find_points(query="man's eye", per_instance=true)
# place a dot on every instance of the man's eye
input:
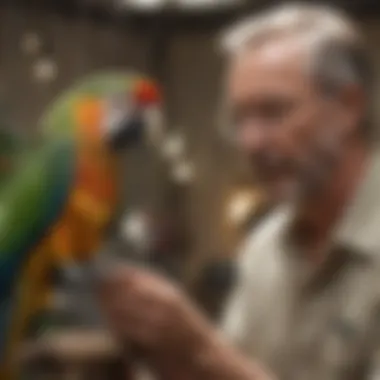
(266, 114)
(273, 111)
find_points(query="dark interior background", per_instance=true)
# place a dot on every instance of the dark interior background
(182, 54)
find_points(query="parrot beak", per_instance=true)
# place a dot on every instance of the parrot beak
(138, 119)
(145, 125)
(129, 131)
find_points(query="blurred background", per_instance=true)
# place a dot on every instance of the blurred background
(192, 195)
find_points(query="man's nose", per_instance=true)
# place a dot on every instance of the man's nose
(251, 139)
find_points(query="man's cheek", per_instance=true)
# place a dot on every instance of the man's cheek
(285, 189)
(327, 150)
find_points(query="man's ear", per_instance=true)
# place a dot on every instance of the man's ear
(351, 108)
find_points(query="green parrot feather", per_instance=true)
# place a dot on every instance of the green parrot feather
(59, 119)
(36, 179)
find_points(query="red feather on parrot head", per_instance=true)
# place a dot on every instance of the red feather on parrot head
(147, 93)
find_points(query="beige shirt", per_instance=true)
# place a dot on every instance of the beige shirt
(308, 325)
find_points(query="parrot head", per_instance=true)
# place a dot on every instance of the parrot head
(139, 117)
(115, 109)
(121, 118)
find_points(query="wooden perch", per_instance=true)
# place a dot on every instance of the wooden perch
(78, 353)
(72, 346)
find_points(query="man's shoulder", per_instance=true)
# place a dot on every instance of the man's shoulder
(266, 239)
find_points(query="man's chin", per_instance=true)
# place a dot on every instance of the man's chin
(281, 191)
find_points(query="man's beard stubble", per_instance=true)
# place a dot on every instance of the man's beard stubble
(309, 176)
(326, 154)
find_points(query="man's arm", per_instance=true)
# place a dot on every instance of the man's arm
(211, 359)
(220, 361)
(180, 344)
(209, 354)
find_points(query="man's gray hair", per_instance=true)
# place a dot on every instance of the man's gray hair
(338, 53)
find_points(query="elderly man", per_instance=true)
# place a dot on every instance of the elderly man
(307, 305)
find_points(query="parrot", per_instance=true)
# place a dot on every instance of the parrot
(61, 191)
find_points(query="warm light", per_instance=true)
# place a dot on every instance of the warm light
(183, 172)
(135, 231)
(206, 4)
(45, 70)
(143, 4)
(173, 147)
(149, 5)
(241, 205)
(31, 43)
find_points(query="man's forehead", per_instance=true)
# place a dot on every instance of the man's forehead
(271, 69)
(279, 55)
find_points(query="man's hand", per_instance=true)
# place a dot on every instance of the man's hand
(148, 310)
(155, 316)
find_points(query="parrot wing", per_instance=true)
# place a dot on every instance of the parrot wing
(31, 202)
(29, 206)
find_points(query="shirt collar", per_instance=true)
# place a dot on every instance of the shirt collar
(359, 228)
